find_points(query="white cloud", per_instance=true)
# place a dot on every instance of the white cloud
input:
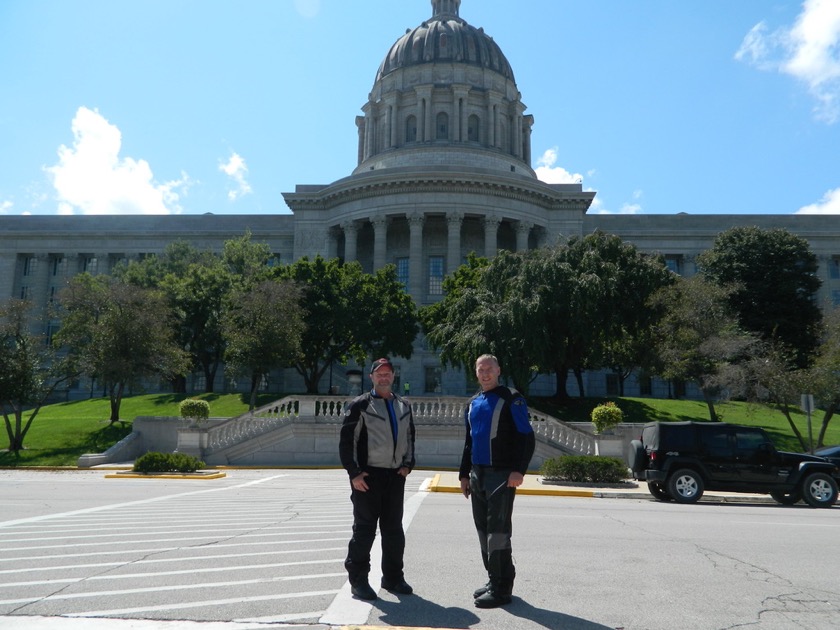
(92, 178)
(308, 8)
(627, 207)
(808, 51)
(829, 204)
(5, 206)
(550, 174)
(236, 169)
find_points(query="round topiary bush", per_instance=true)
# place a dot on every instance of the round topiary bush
(194, 409)
(606, 416)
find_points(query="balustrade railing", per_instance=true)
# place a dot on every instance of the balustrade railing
(330, 410)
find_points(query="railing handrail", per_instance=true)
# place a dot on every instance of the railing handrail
(326, 409)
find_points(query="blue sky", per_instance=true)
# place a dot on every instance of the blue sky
(195, 106)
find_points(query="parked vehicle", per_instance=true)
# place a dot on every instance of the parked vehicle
(831, 453)
(680, 460)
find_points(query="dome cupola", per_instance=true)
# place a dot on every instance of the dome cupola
(445, 96)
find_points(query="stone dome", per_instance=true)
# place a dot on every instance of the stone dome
(445, 38)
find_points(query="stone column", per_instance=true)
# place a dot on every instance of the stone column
(454, 219)
(8, 266)
(350, 231)
(491, 232)
(332, 242)
(415, 255)
(523, 231)
(360, 129)
(380, 241)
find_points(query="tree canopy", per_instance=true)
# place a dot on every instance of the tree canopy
(773, 282)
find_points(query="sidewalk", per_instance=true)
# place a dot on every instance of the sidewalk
(535, 484)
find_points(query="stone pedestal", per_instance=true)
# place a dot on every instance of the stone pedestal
(192, 441)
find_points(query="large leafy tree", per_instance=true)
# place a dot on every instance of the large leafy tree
(823, 378)
(486, 309)
(263, 326)
(350, 314)
(30, 371)
(699, 339)
(117, 333)
(773, 279)
(196, 284)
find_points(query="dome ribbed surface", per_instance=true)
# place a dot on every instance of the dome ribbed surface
(445, 38)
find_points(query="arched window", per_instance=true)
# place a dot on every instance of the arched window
(472, 129)
(411, 129)
(442, 126)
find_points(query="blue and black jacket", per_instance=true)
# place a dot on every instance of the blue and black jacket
(499, 432)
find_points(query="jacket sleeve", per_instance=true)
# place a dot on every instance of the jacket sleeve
(408, 460)
(466, 456)
(348, 438)
(525, 441)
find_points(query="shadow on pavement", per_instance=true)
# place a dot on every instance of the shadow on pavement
(413, 610)
(550, 618)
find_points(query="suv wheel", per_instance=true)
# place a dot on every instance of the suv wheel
(685, 486)
(786, 498)
(658, 491)
(819, 490)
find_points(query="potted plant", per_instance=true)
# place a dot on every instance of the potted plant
(606, 416)
(195, 411)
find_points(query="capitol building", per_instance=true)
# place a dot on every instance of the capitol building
(443, 168)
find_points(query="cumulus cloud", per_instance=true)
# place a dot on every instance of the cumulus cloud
(236, 169)
(628, 207)
(5, 206)
(550, 174)
(808, 51)
(92, 178)
(829, 204)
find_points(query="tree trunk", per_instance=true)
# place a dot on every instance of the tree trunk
(255, 381)
(116, 393)
(210, 377)
(561, 371)
(829, 414)
(710, 403)
(783, 407)
(579, 379)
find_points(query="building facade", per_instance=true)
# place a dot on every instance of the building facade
(443, 169)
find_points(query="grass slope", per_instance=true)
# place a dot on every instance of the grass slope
(62, 432)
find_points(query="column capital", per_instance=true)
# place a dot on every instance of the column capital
(492, 220)
(524, 226)
(416, 218)
(454, 217)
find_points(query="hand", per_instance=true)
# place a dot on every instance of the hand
(359, 482)
(515, 479)
(465, 487)
(404, 471)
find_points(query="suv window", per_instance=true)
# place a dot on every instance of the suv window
(749, 440)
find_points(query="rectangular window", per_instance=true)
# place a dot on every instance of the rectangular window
(435, 275)
(402, 271)
(834, 268)
(24, 293)
(432, 384)
(674, 264)
(30, 266)
(835, 297)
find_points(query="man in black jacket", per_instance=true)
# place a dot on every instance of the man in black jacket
(376, 447)
(497, 451)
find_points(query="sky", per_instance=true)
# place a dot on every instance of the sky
(197, 106)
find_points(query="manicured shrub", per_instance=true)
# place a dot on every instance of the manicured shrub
(194, 409)
(584, 468)
(606, 416)
(154, 462)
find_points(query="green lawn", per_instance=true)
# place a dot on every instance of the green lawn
(666, 410)
(64, 431)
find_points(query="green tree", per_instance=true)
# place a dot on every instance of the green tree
(118, 334)
(823, 378)
(350, 314)
(773, 277)
(699, 339)
(263, 326)
(196, 284)
(30, 371)
(485, 310)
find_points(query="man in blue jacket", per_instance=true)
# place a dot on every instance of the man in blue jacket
(497, 451)
(376, 447)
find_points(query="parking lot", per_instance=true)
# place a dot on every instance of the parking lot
(265, 548)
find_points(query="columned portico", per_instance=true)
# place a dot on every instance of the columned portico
(380, 241)
(350, 241)
(523, 231)
(454, 220)
(491, 234)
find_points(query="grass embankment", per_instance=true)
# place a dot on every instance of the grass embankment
(61, 433)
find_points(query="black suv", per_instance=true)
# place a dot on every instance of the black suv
(679, 460)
